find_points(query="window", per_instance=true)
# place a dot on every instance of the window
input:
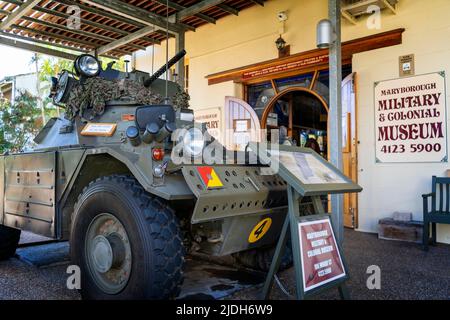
(303, 81)
(259, 96)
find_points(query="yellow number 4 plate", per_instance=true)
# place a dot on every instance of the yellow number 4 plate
(260, 230)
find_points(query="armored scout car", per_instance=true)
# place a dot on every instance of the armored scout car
(104, 178)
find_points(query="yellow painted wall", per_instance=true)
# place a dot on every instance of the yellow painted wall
(250, 38)
(236, 41)
(390, 187)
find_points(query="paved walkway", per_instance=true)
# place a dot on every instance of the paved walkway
(406, 273)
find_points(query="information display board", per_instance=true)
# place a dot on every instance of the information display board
(318, 262)
(308, 169)
(305, 170)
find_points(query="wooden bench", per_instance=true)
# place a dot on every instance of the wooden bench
(440, 208)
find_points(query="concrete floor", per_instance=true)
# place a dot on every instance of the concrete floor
(406, 273)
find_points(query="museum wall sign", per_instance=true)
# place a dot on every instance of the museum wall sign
(410, 119)
(212, 117)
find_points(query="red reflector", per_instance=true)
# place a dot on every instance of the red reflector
(158, 154)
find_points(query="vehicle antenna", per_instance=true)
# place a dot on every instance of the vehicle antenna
(167, 51)
(153, 58)
(153, 54)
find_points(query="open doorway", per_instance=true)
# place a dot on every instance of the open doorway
(301, 115)
(302, 118)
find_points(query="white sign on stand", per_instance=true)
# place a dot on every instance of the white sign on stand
(410, 119)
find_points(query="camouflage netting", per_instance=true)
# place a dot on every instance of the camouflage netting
(181, 99)
(88, 100)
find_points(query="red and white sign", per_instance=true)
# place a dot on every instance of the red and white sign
(410, 119)
(284, 67)
(321, 259)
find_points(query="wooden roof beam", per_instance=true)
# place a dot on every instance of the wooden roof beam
(60, 37)
(179, 7)
(18, 14)
(79, 32)
(259, 2)
(91, 23)
(47, 43)
(35, 48)
(85, 21)
(135, 13)
(97, 11)
(228, 9)
(197, 8)
(124, 41)
(348, 17)
(389, 6)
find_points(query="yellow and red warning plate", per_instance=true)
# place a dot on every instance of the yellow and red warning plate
(209, 177)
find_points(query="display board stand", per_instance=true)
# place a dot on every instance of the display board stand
(319, 264)
(292, 219)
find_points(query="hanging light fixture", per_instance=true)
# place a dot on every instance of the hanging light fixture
(280, 43)
(325, 34)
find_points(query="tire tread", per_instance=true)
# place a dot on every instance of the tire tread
(163, 226)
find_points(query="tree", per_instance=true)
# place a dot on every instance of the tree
(22, 120)
(19, 122)
(51, 67)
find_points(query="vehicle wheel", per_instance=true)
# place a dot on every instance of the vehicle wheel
(9, 240)
(261, 258)
(127, 243)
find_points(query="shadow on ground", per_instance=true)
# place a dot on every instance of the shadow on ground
(407, 272)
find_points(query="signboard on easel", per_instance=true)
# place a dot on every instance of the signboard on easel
(321, 258)
(318, 262)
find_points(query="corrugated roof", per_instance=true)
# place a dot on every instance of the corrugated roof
(46, 21)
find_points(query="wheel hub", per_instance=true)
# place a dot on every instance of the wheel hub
(102, 254)
(108, 252)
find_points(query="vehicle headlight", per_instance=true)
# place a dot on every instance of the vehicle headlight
(193, 142)
(64, 85)
(87, 65)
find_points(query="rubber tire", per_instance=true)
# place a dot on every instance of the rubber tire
(9, 240)
(153, 231)
(261, 258)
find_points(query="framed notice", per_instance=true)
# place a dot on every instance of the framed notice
(406, 65)
(321, 260)
(243, 125)
(99, 129)
(410, 119)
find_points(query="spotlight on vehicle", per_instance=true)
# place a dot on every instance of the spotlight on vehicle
(87, 65)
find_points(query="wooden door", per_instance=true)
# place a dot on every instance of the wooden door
(349, 151)
(241, 124)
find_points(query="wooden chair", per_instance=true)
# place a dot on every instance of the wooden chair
(440, 208)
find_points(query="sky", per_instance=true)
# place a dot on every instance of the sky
(15, 61)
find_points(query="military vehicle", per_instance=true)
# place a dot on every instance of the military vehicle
(104, 178)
